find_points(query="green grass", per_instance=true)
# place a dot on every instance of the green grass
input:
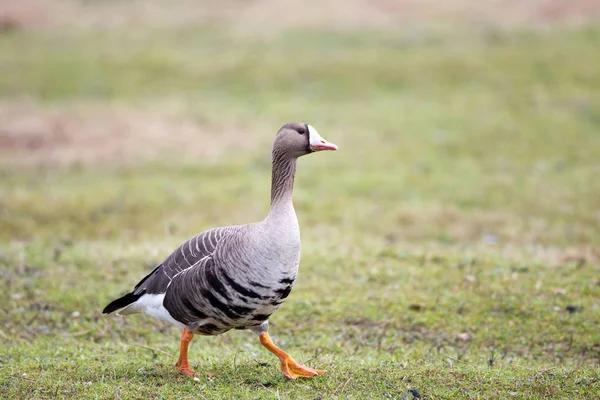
(441, 244)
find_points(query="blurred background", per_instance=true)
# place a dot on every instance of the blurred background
(467, 175)
(454, 118)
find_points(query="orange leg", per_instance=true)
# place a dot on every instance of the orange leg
(182, 363)
(290, 368)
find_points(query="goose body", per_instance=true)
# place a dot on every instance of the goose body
(234, 277)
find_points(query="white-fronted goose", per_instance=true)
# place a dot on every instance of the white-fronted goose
(234, 277)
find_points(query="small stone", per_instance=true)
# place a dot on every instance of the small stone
(470, 278)
(538, 285)
(559, 291)
(75, 314)
(464, 336)
(490, 238)
(573, 309)
(412, 394)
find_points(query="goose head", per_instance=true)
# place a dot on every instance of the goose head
(296, 139)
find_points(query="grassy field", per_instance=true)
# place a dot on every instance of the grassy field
(451, 246)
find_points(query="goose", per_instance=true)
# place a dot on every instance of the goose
(234, 277)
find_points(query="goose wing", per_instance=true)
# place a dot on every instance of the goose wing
(188, 254)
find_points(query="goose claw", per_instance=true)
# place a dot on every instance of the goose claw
(292, 369)
(186, 371)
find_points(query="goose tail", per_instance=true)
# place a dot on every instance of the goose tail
(122, 302)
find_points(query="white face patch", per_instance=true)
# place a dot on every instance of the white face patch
(312, 132)
(313, 136)
(316, 142)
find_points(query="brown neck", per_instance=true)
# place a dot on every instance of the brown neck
(282, 179)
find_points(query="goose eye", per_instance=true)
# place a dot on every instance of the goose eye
(301, 131)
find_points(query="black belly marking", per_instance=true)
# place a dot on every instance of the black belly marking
(208, 328)
(253, 283)
(241, 289)
(284, 292)
(261, 317)
(240, 310)
(218, 304)
(287, 281)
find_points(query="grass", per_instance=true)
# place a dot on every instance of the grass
(442, 245)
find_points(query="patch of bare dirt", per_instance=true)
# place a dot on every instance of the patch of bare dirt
(31, 136)
(260, 15)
